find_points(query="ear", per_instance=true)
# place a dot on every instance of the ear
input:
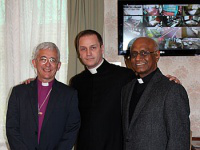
(78, 54)
(157, 55)
(59, 64)
(102, 49)
(127, 61)
(34, 63)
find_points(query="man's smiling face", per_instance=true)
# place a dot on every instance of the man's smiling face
(144, 64)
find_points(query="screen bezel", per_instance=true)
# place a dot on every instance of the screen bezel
(177, 52)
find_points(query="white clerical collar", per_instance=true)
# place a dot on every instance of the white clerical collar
(94, 70)
(140, 81)
(45, 84)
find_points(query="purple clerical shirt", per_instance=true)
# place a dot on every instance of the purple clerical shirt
(43, 90)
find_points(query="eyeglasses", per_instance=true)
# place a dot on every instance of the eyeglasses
(142, 53)
(43, 60)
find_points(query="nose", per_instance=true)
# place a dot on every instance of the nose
(138, 57)
(88, 52)
(47, 63)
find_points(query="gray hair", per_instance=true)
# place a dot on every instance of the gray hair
(46, 45)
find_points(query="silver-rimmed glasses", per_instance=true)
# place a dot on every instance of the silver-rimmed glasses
(52, 61)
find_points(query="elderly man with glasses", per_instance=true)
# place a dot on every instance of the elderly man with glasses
(155, 111)
(43, 114)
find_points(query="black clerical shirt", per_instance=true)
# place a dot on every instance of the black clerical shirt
(137, 93)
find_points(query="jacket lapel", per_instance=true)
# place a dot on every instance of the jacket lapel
(148, 92)
(127, 98)
(34, 100)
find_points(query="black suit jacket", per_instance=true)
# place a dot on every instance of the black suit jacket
(161, 117)
(60, 125)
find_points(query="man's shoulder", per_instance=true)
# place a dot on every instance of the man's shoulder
(108, 69)
(63, 86)
(120, 70)
(21, 89)
(22, 86)
(79, 76)
(167, 84)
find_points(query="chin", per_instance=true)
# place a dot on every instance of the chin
(89, 65)
(139, 70)
(47, 77)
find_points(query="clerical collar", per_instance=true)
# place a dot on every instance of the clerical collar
(140, 81)
(94, 70)
(147, 78)
(45, 84)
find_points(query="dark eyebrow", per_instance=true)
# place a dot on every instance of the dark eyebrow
(93, 45)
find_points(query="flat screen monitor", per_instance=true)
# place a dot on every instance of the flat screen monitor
(175, 26)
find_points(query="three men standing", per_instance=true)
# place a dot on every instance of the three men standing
(154, 114)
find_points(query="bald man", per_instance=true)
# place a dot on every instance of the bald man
(155, 111)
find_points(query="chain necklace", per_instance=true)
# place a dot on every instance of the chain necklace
(39, 107)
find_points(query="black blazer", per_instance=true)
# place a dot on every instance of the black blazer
(161, 117)
(60, 125)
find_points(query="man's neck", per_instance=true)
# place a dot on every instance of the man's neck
(45, 81)
(94, 70)
(145, 75)
(146, 78)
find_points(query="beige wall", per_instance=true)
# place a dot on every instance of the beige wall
(187, 69)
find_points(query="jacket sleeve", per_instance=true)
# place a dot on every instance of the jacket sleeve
(72, 126)
(12, 123)
(176, 115)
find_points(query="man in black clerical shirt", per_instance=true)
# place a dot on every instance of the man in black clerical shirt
(137, 92)
(155, 111)
(99, 87)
